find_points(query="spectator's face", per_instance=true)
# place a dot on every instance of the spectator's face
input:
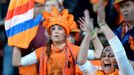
(49, 4)
(127, 9)
(38, 8)
(57, 33)
(108, 60)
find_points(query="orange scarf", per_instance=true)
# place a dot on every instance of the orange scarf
(100, 72)
(124, 31)
(131, 42)
(73, 53)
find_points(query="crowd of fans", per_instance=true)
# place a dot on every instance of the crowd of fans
(118, 22)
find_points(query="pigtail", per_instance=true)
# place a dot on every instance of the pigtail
(48, 51)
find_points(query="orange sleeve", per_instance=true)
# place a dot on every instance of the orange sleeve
(78, 71)
(39, 51)
(76, 50)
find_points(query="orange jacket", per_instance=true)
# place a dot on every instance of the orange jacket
(59, 62)
(28, 70)
(100, 72)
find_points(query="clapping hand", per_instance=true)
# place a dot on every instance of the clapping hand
(86, 23)
(101, 14)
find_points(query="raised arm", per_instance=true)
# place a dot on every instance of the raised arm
(125, 67)
(93, 54)
(83, 53)
(97, 46)
(17, 60)
(86, 67)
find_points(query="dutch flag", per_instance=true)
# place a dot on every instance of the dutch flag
(20, 26)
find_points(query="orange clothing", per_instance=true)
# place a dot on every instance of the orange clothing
(131, 42)
(40, 1)
(120, 19)
(96, 62)
(60, 62)
(100, 72)
(28, 70)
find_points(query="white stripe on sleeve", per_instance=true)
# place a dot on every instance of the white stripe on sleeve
(124, 66)
(88, 68)
(29, 59)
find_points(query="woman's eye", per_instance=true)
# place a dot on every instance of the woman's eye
(103, 55)
(60, 28)
(111, 55)
(52, 28)
(122, 6)
(127, 5)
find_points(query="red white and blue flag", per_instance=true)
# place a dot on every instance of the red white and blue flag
(20, 26)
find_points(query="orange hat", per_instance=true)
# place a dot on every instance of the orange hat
(74, 27)
(62, 19)
(97, 2)
(94, 1)
(118, 1)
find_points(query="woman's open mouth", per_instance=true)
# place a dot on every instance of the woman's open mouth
(56, 36)
(107, 66)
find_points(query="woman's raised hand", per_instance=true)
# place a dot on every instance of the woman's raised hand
(86, 23)
(101, 14)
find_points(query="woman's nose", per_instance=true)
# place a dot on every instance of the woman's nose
(56, 31)
(106, 58)
(125, 9)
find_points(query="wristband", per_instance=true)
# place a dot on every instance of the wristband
(102, 24)
(93, 34)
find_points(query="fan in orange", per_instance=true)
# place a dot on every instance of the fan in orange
(58, 56)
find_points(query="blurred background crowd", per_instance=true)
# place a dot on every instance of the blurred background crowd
(76, 7)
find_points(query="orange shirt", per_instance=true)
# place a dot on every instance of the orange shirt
(28, 70)
(60, 62)
(100, 72)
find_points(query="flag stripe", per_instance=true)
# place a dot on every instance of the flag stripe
(40, 1)
(19, 10)
(21, 27)
(23, 39)
(14, 3)
(14, 21)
